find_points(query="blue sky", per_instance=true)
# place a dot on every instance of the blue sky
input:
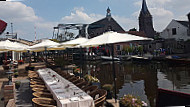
(45, 14)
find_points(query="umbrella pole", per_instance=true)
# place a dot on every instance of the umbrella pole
(46, 54)
(114, 74)
(80, 61)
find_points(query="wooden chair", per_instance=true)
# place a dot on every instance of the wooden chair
(32, 72)
(69, 76)
(78, 81)
(73, 79)
(40, 89)
(83, 84)
(37, 86)
(42, 94)
(36, 83)
(33, 75)
(36, 80)
(99, 97)
(64, 74)
(44, 102)
(90, 89)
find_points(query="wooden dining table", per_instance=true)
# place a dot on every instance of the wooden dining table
(64, 92)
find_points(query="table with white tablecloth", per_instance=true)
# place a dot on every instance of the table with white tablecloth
(65, 92)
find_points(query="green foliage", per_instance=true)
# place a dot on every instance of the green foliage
(17, 83)
(91, 79)
(140, 48)
(129, 49)
(107, 87)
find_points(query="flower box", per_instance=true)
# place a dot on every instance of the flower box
(131, 101)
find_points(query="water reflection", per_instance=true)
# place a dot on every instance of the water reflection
(140, 79)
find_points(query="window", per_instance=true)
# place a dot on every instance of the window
(174, 32)
(118, 47)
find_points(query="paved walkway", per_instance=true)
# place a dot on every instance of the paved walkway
(23, 96)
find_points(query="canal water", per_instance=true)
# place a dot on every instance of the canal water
(141, 79)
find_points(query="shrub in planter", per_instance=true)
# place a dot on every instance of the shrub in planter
(108, 88)
(29, 68)
(5, 67)
(131, 101)
(20, 61)
(16, 74)
(76, 71)
(92, 80)
(17, 84)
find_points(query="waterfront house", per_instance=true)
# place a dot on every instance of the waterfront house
(178, 30)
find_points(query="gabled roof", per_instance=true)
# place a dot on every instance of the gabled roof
(184, 23)
(106, 21)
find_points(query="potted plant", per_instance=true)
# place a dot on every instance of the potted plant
(17, 84)
(5, 67)
(92, 80)
(29, 67)
(16, 74)
(108, 88)
(131, 101)
(20, 62)
(76, 71)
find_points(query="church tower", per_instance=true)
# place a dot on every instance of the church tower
(145, 21)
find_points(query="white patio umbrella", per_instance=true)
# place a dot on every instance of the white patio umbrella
(111, 38)
(74, 42)
(44, 45)
(12, 46)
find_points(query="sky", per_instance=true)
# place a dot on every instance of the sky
(46, 14)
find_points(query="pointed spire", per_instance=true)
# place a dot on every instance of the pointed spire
(144, 8)
(108, 12)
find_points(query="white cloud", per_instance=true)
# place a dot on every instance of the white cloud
(24, 19)
(161, 18)
(126, 23)
(79, 16)
(16, 11)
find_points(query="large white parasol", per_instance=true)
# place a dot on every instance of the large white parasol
(44, 45)
(12, 46)
(73, 43)
(111, 38)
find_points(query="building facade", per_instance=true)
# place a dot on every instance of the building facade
(145, 21)
(178, 30)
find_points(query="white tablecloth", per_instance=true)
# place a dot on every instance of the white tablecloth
(64, 92)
